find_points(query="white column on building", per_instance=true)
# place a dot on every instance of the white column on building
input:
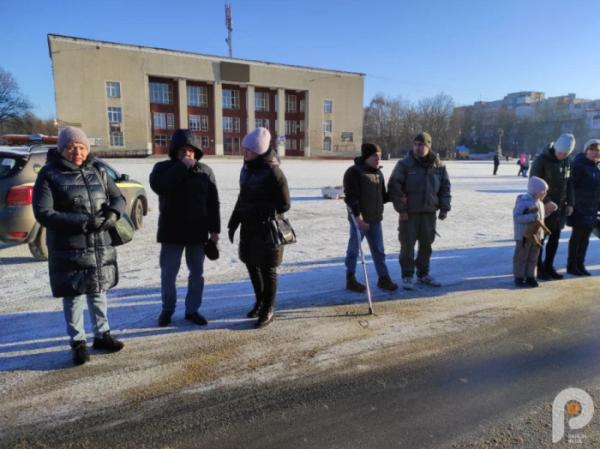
(250, 107)
(218, 118)
(183, 103)
(280, 121)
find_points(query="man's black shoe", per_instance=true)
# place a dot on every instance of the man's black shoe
(164, 319)
(107, 343)
(583, 271)
(553, 274)
(265, 318)
(196, 318)
(80, 352)
(520, 282)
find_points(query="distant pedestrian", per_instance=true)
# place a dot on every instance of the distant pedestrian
(419, 187)
(586, 190)
(188, 217)
(528, 219)
(365, 194)
(263, 193)
(552, 165)
(523, 163)
(78, 204)
(496, 163)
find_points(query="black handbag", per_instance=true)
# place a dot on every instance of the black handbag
(280, 232)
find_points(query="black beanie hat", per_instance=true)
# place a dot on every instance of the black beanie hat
(368, 149)
(211, 250)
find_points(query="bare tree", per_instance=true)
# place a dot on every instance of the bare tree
(13, 105)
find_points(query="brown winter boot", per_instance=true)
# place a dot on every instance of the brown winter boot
(353, 285)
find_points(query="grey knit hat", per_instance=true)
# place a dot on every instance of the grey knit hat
(565, 143)
(257, 141)
(536, 185)
(70, 135)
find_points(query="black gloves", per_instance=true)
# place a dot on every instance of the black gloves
(443, 214)
(109, 222)
(103, 221)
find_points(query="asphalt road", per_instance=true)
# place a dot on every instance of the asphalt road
(482, 380)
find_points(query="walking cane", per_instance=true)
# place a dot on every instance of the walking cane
(362, 258)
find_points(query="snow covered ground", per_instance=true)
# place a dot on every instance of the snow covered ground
(472, 256)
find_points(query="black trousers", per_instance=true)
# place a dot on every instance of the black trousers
(554, 223)
(578, 245)
(264, 282)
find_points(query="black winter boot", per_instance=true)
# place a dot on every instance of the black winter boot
(107, 343)
(266, 317)
(520, 282)
(196, 318)
(582, 270)
(552, 274)
(353, 285)
(385, 283)
(254, 311)
(164, 318)
(80, 352)
(572, 269)
(531, 282)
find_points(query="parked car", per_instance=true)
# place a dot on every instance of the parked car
(21, 159)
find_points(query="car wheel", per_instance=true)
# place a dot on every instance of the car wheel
(38, 246)
(137, 213)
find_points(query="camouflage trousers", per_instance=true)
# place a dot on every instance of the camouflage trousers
(419, 228)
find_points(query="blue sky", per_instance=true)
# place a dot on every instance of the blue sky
(468, 49)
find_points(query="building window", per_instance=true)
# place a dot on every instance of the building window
(231, 99)
(301, 105)
(198, 122)
(170, 120)
(290, 103)
(327, 144)
(327, 126)
(113, 89)
(161, 93)
(328, 106)
(197, 96)
(159, 120)
(261, 101)
(116, 139)
(114, 116)
(291, 144)
(262, 122)
(231, 124)
(301, 126)
(204, 140)
(161, 140)
(291, 127)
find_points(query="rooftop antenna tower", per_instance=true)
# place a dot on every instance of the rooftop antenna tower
(228, 24)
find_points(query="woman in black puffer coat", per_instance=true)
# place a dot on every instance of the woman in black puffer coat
(263, 193)
(78, 204)
(585, 176)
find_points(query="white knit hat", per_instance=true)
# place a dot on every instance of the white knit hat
(565, 143)
(257, 141)
(536, 185)
(69, 135)
(590, 143)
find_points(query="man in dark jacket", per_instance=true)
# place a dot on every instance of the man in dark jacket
(189, 216)
(78, 204)
(552, 165)
(419, 187)
(365, 195)
(496, 163)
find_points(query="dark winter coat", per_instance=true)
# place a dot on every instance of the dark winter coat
(263, 193)
(585, 177)
(65, 197)
(364, 191)
(420, 185)
(188, 200)
(556, 173)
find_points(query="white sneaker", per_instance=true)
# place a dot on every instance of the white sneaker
(407, 283)
(428, 280)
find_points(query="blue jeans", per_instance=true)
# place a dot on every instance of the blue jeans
(73, 309)
(170, 261)
(375, 239)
